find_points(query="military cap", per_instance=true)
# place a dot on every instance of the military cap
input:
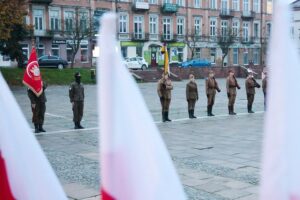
(77, 74)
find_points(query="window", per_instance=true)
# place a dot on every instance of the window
(25, 50)
(256, 6)
(246, 32)
(69, 17)
(197, 52)
(236, 28)
(54, 20)
(167, 1)
(213, 27)
(153, 24)
(180, 54)
(38, 15)
(213, 4)
(236, 5)
(180, 2)
(180, 26)
(256, 56)
(84, 53)
(256, 31)
(83, 21)
(224, 4)
(246, 5)
(167, 28)
(245, 57)
(40, 50)
(55, 50)
(123, 23)
(139, 51)
(269, 28)
(153, 1)
(235, 56)
(197, 3)
(224, 27)
(138, 23)
(69, 54)
(213, 55)
(124, 52)
(197, 25)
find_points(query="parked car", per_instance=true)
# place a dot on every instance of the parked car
(136, 63)
(51, 61)
(195, 63)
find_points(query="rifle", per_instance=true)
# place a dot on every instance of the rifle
(255, 83)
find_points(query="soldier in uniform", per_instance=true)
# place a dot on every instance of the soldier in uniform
(211, 87)
(76, 94)
(250, 85)
(164, 88)
(191, 95)
(264, 87)
(38, 108)
(231, 85)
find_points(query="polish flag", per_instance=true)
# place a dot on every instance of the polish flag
(280, 177)
(135, 163)
(25, 173)
(164, 51)
(32, 76)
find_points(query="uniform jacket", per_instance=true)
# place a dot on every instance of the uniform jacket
(76, 92)
(250, 85)
(164, 88)
(191, 90)
(211, 86)
(264, 85)
(34, 99)
(231, 85)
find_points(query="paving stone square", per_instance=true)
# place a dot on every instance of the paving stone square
(217, 158)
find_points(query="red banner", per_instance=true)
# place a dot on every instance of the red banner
(5, 191)
(32, 76)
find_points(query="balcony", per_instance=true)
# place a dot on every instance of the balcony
(179, 38)
(248, 15)
(153, 37)
(247, 40)
(169, 8)
(43, 33)
(167, 38)
(140, 37)
(123, 36)
(140, 6)
(41, 1)
(226, 13)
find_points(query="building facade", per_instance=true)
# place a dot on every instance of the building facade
(295, 29)
(190, 28)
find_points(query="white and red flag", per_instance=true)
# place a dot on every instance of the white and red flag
(25, 173)
(32, 75)
(135, 163)
(280, 178)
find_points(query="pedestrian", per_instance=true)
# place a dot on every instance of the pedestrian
(38, 108)
(231, 85)
(164, 88)
(76, 94)
(250, 84)
(211, 86)
(264, 87)
(191, 95)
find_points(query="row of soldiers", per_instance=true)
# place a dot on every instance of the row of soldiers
(165, 86)
(38, 104)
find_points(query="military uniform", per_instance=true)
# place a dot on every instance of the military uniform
(264, 88)
(191, 97)
(76, 94)
(38, 111)
(231, 85)
(211, 86)
(164, 88)
(250, 85)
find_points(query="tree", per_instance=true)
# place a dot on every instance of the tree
(191, 42)
(225, 40)
(12, 28)
(77, 28)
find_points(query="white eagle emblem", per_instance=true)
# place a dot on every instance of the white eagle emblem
(33, 69)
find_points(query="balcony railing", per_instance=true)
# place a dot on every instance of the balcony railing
(226, 13)
(247, 40)
(41, 1)
(141, 6)
(43, 33)
(123, 36)
(140, 37)
(180, 38)
(167, 37)
(248, 14)
(153, 36)
(169, 8)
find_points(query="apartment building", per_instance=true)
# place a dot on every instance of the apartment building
(186, 26)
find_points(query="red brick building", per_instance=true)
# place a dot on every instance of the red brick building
(144, 25)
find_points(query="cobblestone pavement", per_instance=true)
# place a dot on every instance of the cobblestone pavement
(216, 157)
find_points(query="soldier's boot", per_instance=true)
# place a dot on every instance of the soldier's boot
(79, 126)
(232, 110)
(163, 116)
(167, 117)
(76, 125)
(36, 128)
(41, 128)
(210, 111)
(229, 110)
(192, 114)
(250, 109)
